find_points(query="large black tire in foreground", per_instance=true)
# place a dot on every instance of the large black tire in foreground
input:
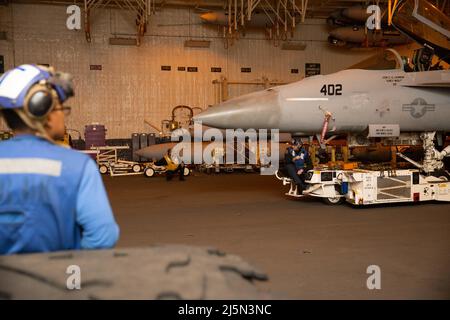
(156, 272)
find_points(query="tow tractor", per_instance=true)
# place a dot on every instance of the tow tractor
(430, 181)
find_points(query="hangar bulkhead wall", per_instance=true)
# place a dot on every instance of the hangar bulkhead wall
(131, 85)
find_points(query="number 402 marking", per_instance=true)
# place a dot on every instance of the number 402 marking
(331, 89)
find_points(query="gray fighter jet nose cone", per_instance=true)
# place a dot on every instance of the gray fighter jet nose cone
(258, 110)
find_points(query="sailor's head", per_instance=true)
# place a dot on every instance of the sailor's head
(296, 143)
(32, 97)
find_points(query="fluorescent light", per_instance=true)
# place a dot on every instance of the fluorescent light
(306, 99)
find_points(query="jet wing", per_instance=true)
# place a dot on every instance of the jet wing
(438, 79)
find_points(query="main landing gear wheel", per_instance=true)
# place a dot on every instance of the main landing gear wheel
(186, 172)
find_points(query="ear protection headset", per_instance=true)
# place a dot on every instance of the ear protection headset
(40, 100)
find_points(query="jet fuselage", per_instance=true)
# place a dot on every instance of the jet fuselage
(355, 99)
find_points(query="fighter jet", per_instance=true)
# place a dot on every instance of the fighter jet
(384, 102)
(346, 101)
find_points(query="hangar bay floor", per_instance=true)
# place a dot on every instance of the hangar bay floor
(308, 249)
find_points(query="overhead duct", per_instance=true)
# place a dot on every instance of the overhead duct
(300, 46)
(197, 43)
(123, 41)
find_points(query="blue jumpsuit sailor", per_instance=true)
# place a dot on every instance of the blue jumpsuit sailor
(51, 198)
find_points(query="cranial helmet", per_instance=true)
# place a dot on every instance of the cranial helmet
(36, 89)
(33, 92)
(296, 142)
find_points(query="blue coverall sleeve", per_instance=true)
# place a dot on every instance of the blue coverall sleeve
(94, 214)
